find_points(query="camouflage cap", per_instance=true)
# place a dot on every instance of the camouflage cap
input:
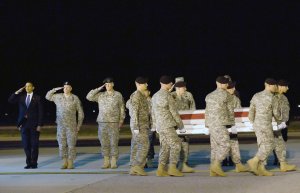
(179, 79)
(282, 83)
(271, 81)
(108, 80)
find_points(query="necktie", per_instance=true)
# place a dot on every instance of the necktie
(27, 100)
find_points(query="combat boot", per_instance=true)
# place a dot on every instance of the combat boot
(186, 169)
(65, 164)
(262, 170)
(137, 170)
(70, 164)
(172, 171)
(113, 162)
(161, 172)
(216, 168)
(253, 165)
(240, 168)
(211, 173)
(285, 167)
(106, 163)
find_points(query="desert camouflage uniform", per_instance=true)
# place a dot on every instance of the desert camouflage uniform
(139, 120)
(217, 118)
(166, 119)
(284, 109)
(263, 106)
(234, 143)
(66, 108)
(111, 114)
(184, 102)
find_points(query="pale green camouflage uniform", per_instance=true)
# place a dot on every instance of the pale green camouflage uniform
(111, 114)
(166, 120)
(184, 102)
(263, 106)
(217, 117)
(139, 120)
(66, 109)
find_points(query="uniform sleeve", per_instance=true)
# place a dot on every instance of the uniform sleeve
(230, 106)
(80, 112)
(285, 110)
(174, 112)
(237, 102)
(135, 105)
(122, 109)
(153, 114)
(252, 111)
(93, 95)
(276, 109)
(50, 96)
(192, 102)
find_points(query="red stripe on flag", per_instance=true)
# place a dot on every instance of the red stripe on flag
(192, 116)
(240, 114)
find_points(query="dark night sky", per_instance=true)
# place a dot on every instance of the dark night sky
(51, 41)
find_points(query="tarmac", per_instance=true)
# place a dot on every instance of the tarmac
(88, 177)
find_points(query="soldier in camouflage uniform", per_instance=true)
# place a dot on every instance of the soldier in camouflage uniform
(140, 126)
(284, 108)
(263, 106)
(184, 100)
(110, 119)
(166, 119)
(234, 143)
(217, 119)
(68, 125)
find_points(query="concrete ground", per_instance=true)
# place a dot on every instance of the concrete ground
(88, 177)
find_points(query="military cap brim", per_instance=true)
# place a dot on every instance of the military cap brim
(141, 80)
(165, 79)
(108, 80)
(271, 81)
(222, 80)
(180, 84)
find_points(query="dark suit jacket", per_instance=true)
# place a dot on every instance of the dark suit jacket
(32, 116)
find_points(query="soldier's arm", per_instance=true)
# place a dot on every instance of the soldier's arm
(174, 112)
(135, 105)
(93, 95)
(122, 111)
(80, 113)
(192, 102)
(153, 119)
(230, 107)
(276, 109)
(50, 96)
(252, 111)
(285, 110)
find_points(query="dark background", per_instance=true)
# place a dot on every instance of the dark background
(51, 41)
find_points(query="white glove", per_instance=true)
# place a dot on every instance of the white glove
(233, 130)
(136, 132)
(153, 129)
(282, 125)
(182, 130)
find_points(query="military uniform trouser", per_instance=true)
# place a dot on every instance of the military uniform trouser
(139, 148)
(152, 138)
(108, 134)
(219, 142)
(280, 146)
(184, 153)
(235, 151)
(265, 142)
(170, 146)
(66, 138)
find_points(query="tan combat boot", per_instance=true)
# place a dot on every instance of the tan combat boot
(173, 171)
(138, 170)
(240, 168)
(70, 164)
(161, 172)
(113, 162)
(216, 168)
(65, 164)
(262, 170)
(253, 165)
(186, 169)
(106, 163)
(285, 167)
(211, 173)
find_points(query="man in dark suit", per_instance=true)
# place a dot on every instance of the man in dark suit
(29, 122)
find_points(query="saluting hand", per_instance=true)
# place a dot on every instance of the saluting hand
(101, 87)
(20, 90)
(58, 88)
